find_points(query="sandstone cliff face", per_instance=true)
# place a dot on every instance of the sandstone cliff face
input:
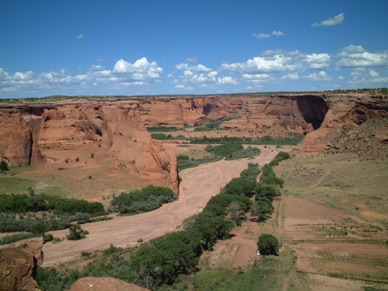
(300, 114)
(18, 144)
(120, 132)
(18, 264)
(344, 111)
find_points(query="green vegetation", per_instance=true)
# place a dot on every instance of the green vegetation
(281, 156)
(162, 136)
(268, 245)
(212, 125)
(144, 200)
(76, 232)
(3, 166)
(16, 237)
(229, 151)
(185, 161)
(38, 214)
(293, 139)
(162, 128)
(42, 202)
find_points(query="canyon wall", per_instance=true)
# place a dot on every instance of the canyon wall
(116, 127)
(344, 111)
(263, 114)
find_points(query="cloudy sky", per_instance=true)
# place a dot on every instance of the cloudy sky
(145, 47)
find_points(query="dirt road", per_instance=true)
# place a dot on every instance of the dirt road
(198, 185)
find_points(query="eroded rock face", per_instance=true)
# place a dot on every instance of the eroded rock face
(104, 284)
(18, 144)
(18, 264)
(344, 111)
(120, 132)
(263, 114)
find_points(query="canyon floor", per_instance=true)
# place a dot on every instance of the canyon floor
(198, 185)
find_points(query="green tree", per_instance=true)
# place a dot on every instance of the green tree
(3, 166)
(262, 208)
(235, 212)
(268, 244)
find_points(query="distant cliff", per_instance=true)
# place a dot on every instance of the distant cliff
(118, 125)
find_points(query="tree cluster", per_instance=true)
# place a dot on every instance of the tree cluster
(144, 200)
(21, 203)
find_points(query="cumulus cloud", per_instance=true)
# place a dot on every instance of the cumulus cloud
(196, 68)
(202, 76)
(80, 36)
(357, 56)
(320, 76)
(280, 61)
(336, 20)
(267, 35)
(142, 69)
(124, 74)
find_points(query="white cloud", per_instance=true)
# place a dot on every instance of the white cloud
(267, 35)
(261, 35)
(256, 78)
(320, 76)
(191, 59)
(124, 74)
(364, 77)
(291, 76)
(277, 33)
(197, 68)
(202, 76)
(280, 61)
(357, 56)
(142, 69)
(80, 36)
(373, 74)
(336, 20)
(318, 61)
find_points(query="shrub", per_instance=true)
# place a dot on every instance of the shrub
(76, 232)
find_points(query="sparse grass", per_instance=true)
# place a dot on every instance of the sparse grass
(341, 181)
(15, 184)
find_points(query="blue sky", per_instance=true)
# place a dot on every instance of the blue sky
(147, 47)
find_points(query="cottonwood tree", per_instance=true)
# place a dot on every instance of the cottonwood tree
(268, 244)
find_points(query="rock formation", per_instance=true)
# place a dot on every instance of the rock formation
(18, 264)
(344, 111)
(104, 284)
(18, 144)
